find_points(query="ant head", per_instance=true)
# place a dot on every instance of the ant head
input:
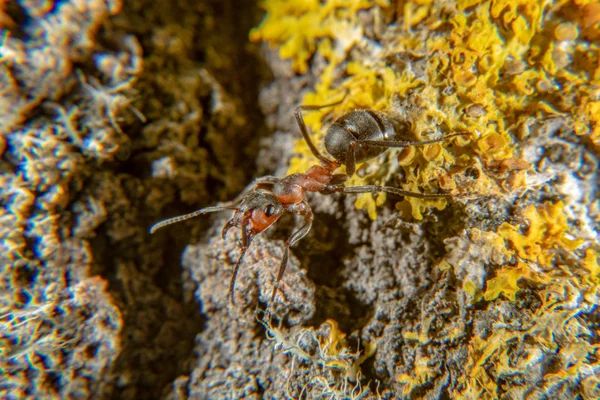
(257, 211)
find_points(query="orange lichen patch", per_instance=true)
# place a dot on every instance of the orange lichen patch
(510, 164)
(334, 351)
(566, 31)
(406, 156)
(590, 262)
(465, 78)
(511, 173)
(447, 183)
(590, 12)
(422, 374)
(515, 182)
(547, 230)
(505, 282)
(432, 152)
(494, 145)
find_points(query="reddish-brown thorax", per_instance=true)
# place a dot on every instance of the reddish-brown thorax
(290, 190)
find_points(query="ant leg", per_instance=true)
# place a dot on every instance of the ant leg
(304, 130)
(246, 241)
(351, 159)
(393, 190)
(407, 143)
(351, 155)
(302, 209)
(235, 272)
(282, 267)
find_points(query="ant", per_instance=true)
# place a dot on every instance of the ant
(355, 137)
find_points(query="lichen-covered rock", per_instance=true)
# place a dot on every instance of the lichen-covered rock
(462, 303)
(211, 267)
(233, 360)
(116, 115)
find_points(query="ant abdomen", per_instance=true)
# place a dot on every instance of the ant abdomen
(358, 126)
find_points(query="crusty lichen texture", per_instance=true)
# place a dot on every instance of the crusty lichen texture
(114, 115)
(514, 309)
(486, 68)
(541, 256)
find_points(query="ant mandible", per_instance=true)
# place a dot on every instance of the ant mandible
(353, 138)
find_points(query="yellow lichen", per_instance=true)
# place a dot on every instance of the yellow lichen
(506, 280)
(473, 290)
(566, 31)
(368, 202)
(590, 262)
(487, 68)
(547, 230)
(511, 352)
(416, 337)
(534, 243)
(297, 27)
(334, 344)
(407, 156)
(334, 351)
(423, 373)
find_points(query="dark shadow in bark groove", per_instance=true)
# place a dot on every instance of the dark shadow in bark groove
(161, 316)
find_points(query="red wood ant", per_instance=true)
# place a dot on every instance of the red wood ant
(353, 138)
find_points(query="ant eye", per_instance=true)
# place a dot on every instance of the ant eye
(270, 210)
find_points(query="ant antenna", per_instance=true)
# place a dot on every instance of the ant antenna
(180, 218)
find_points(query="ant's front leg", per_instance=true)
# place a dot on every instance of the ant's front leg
(300, 120)
(303, 209)
(351, 154)
(246, 242)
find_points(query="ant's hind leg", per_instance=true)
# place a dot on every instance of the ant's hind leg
(393, 190)
(408, 143)
(351, 154)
